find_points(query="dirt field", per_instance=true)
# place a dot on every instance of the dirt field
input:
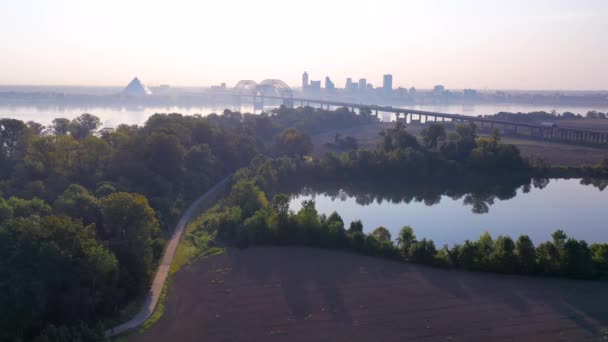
(553, 153)
(558, 154)
(303, 294)
(592, 124)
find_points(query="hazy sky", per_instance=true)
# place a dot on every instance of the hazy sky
(527, 44)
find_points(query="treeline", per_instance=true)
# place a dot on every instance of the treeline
(312, 121)
(594, 174)
(401, 157)
(84, 210)
(170, 160)
(404, 167)
(540, 116)
(248, 217)
(461, 155)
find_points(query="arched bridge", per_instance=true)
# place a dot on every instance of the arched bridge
(269, 88)
(266, 88)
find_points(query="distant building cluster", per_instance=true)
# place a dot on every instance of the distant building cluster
(364, 90)
(354, 90)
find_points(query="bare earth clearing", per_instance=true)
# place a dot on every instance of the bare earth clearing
(593, 124)
(304, 294)
(551, 152)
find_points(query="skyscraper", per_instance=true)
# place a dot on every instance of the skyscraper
(349, 83)
(362, 84)
(387, 84)
(304, 81)
(329, 85)
(315, 87)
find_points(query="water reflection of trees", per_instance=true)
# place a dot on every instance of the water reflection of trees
(600, 183)
(479, 195)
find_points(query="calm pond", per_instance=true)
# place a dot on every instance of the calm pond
(449, 217)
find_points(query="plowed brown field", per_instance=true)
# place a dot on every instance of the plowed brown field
(304, 294)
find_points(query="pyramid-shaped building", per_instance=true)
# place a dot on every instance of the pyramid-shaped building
(136, 89)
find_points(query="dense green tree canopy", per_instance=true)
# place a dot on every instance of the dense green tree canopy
(129, 226)
(432, 135)
(293, 143)
(54, 271)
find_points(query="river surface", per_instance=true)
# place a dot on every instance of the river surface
(579, 210)
(115, 115)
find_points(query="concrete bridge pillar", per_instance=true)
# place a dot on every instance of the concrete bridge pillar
(288, 102)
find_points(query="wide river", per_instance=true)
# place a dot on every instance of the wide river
(579, 210)
(113, 116)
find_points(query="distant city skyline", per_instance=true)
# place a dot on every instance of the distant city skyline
(489, 44)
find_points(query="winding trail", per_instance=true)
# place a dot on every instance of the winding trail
(163, 269)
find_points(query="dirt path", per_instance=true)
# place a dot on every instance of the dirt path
(163, 269)
(305, 294)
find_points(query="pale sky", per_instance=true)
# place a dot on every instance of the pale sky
(483, 44)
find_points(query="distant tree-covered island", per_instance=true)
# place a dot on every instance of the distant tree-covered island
(85, 212)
